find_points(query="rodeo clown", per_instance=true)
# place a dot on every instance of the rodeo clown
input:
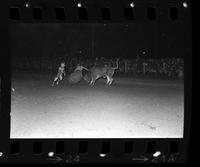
(60, 75)
(80, 68)
(76, 75)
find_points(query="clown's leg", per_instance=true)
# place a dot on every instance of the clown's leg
(59, 79)
(55, 79)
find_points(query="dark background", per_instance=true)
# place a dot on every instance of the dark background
(49, 43)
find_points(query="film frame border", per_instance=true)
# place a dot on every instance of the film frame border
(8, 153)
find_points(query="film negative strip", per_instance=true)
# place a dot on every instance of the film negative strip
(96, 81)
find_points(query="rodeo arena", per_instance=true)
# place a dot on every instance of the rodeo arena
(75, 97)
(171, 68)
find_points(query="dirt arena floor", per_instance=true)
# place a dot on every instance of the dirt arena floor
(129, 108)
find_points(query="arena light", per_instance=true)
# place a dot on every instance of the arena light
(79, 5)
(185, 5)
(1, 154)
(132, 5)
(102, 155)
(51, 154)
(156, 154)
(27, 4)
(143, 52)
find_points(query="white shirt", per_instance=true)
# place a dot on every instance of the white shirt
(79, 68)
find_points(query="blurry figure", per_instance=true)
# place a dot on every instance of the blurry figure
(144, 64)
(138, 58)
(102, 61)
(77, 74)
(126, 65)
(80, 68)
(164, 67)
(180, 72)
(96, 63)
(60, 75)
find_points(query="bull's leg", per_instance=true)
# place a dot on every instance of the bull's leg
(108, 79)
(111, 80)
(94, 79)
(91, 82)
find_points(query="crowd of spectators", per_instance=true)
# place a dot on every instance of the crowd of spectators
(169, 67)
